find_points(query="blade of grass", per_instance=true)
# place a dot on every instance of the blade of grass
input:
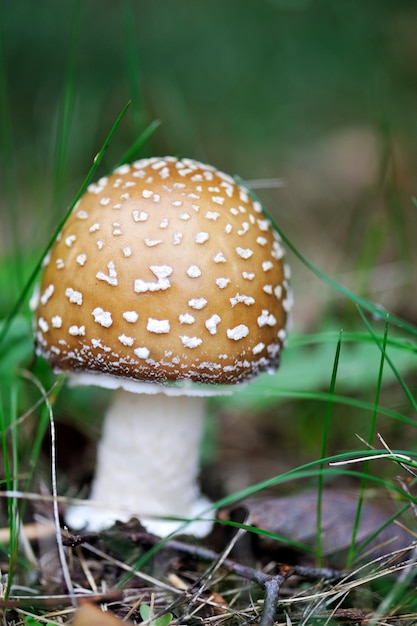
(11, 472)
(9, 168)
(375, 309)
(131, 64)
(295, 340)
(321, 396)
(319, 526)
(371, 435)
(54, 487)
(268, 534)
(67, 107)
(299, 473)
(391, 192)
(29, 284)
(396, 592)
(311, 470)
(395, 516)
(387, 358)
(133, 151)
(43, 420)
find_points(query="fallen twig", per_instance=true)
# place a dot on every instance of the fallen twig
(52, 601)
(271, 584)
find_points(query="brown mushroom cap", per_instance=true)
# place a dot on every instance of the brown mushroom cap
(165, 270)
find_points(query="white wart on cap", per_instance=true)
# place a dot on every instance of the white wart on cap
(166, 270)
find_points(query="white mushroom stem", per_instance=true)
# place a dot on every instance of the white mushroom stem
(147, 466)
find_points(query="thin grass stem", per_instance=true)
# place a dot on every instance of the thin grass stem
(132, 65)
(375, 309)
(29, 284)
(54, 488)
(371, 435)
(133, 151)
(321, 396)
(9, 168)
(387, 358)
(67, 107)
(329, 408)
(11, 473)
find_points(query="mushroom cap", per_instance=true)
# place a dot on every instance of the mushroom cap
(166, 270)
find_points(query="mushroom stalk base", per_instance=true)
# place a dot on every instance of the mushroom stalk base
(147, 466)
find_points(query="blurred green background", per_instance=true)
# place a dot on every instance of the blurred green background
(321, 94)
(312, 101)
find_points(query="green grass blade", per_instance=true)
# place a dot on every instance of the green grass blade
(390, 362)
(67, 107)
(306, 339)
(376, 310)
(321, 396)
(54, 490)
(371, 436)
(132, 66)
(11, 472)
(350, 295)
(132, 153)
(391, 188)
(310, 471)
(392, 519)
(29, 284)
(43, 421)
(319, 531)
(8, 164)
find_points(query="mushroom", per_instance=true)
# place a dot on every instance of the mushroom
(166, 283)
